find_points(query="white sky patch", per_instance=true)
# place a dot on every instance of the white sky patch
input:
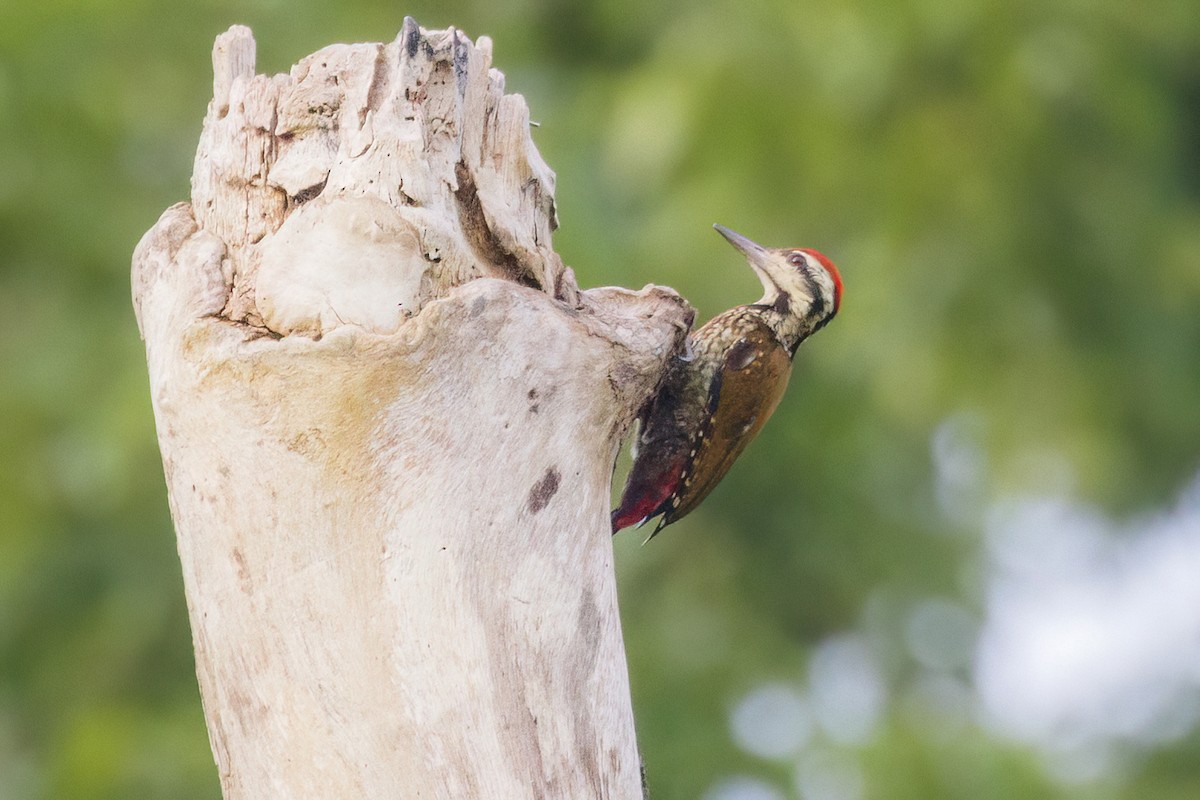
(829, 775)
(1091, 636)
(960, 467)
(743, 787)
(772, 721)
(843, 701)
(846, 688)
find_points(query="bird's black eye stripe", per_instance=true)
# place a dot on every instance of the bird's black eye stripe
(818, 302)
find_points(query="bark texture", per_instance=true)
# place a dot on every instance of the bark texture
(388, 420)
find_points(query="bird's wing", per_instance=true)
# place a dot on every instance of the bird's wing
(744, 393)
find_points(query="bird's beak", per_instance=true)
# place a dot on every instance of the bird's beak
(755, 254)
(748, 248)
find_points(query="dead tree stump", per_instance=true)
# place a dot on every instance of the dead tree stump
(388, 420)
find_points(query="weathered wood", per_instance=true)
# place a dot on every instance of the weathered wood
(388, 420)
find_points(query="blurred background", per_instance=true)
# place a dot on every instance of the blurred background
(963, 560)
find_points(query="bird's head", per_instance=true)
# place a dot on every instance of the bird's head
(797, 282)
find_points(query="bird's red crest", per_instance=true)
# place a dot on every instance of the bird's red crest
(833, 273)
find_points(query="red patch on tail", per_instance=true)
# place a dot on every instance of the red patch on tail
(646, 495)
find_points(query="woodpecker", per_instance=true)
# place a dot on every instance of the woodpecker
(716, 396)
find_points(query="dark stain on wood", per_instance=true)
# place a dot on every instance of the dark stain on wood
(477, 306)
(243, 571)
(542, 491)
(482, 239)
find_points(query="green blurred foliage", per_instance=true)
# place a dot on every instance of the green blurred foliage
(1012, 191)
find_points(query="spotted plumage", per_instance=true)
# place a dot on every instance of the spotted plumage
(716, 397)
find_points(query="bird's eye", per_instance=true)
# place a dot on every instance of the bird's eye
(797, 260)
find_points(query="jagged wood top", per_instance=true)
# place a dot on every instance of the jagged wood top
(411, 149)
